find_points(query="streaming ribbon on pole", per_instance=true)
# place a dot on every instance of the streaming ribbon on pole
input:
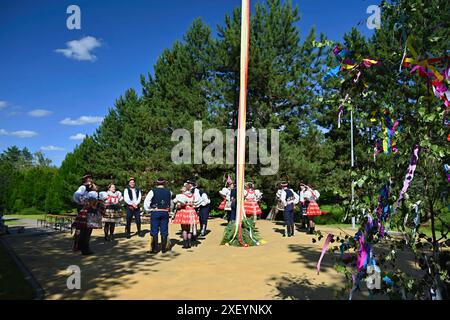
(324, 250)
(410, 175)
(242, 119)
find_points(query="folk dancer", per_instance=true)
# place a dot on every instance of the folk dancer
(159, 202)
(313, 210)
(303, 206)
(226, 203)
(132, 198)
(82, 224)
(202, 205)
(186, 216)
(289, 199)
(80, 198)
(252, 197)
(113, 210)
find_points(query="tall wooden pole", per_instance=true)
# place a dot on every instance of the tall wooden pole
(242, 117)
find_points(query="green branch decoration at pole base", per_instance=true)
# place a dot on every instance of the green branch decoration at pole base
(250, 236)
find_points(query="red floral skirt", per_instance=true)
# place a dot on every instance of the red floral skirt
(251, 208)
(223, 204)
(186, 216)
(314, 210)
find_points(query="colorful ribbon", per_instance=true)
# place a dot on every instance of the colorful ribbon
(330, 237)
(410, 175)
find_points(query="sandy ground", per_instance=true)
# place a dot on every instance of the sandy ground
(283, 268)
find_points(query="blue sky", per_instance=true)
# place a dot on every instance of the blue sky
(49, 98)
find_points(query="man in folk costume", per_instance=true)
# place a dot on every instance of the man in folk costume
(133, 197)
(252, 197)
(202, 203)
(113, 210)
(289, 199)
(186, 215)
(159, 202)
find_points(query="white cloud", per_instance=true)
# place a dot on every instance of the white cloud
(52, 148)
(39, 113)
(82, 121)
(18, 134)
(78, 136)
(81, 49)
(3, 104)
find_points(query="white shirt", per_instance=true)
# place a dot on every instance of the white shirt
(148, 201)
(200, 200)
(133, 192)
(285, 202)
(225, 192)
(80, 195)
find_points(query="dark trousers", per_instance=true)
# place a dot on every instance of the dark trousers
(203, 215)
(136, 213)
(83, 239)
(232, 216)
(159, 222)
(288, 215)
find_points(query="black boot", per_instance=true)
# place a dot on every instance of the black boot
(189, 243)
(154, 244)
(292, 230)
(127, 232)
(139, 231)
(164, 247)
(289, 231)
(185, 244)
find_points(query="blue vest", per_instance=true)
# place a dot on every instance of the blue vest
(161, 198)
(289, 197)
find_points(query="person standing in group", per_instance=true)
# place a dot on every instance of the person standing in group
(313, 208)
(303, 206)
(233, 206)
(186, 215)
(87, 202)
(289, 199)
(201, 203)
(132, 198)
(226, 203)
(252, 197)
(113, 211)
(80, 197)
(159, 202)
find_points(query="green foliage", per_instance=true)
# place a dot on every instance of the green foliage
(250, 236)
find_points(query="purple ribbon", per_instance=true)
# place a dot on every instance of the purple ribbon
(410, 175)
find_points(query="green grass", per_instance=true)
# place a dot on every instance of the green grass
(13, 285)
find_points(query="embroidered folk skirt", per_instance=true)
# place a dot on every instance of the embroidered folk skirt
(186, 216)
(225, 205)
(314, 210)
(112, 214)
(251, 208)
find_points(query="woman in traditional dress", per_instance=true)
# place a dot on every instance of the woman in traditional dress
(83, 224)
(186, 216)
(252, 197)
(313, 210)
(113, 210)
(226, 203)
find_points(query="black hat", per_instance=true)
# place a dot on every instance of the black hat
(161, 181)
(284, 184)
(191, 181)
(86, 176)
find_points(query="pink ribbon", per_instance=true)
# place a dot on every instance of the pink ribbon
(324, 250)
(410, 175)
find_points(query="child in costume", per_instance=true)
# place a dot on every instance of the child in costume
(226, 203)
(313, 210)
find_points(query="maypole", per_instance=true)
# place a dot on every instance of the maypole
(242, 117)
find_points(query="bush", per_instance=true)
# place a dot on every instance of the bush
(336, 215)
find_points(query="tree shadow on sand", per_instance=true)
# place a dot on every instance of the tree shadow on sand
(114, 264)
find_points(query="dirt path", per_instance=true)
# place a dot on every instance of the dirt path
(284, 268)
